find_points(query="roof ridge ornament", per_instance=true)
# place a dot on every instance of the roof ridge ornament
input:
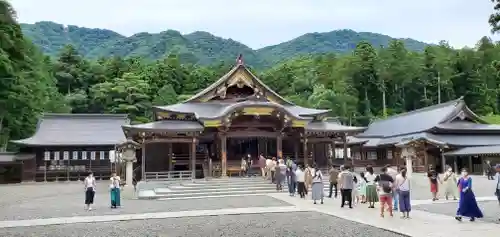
(239, 60)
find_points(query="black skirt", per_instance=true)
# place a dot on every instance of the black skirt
(89, 196)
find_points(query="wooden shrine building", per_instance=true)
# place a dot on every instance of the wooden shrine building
(68, 146)
(236, 116)
(443, 134)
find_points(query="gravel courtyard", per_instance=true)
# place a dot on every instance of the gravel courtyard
(303, 224)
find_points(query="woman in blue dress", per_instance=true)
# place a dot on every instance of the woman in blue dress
(467, 206)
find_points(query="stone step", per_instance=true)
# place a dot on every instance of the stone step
(170, 191)
(205, 187)
(217, 193)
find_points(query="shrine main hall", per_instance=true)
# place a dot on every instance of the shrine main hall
(236, 116)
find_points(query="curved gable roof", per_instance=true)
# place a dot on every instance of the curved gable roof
(228, 75)
(216, 109)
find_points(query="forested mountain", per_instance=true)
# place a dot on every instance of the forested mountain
(198, 47)
(369, 83)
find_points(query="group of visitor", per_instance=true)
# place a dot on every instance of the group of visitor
(90, 186)
(391, 188)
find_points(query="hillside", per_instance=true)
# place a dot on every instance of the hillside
(198, 47)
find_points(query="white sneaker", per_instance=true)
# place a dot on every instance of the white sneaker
(90, 209)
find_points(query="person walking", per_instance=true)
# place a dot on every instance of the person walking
(497, 187)
(489, 170)
(309, 177)
(114, 189)
(262, 165)
(467, 205)
(274, 164)
(90, 188)
(385, 185)
(371, 188)
(361, 185)
(280, 175)
(301, 179)
(333, 176)
(243, 167)
(317, 185)
(403, 190)
(450, 183)
(395, 197)
(269, 163)
(292, 178)
(433, 181)
(346, 184)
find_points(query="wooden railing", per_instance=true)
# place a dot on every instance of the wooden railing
(168, 175)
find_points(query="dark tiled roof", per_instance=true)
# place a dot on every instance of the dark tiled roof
(331, 126)
(210, 110)
(419, 120)
(78, 129)
(468, 126)
(167, 125)
(228, 75)
(476, 150)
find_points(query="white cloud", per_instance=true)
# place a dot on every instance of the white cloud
(260, 23)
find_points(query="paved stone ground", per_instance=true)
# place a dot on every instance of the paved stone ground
(72, 205)
(421, 188)
(39, 200)
(491, 210)
(303, 224)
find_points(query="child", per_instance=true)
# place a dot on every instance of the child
(355, 193)
(362, 188)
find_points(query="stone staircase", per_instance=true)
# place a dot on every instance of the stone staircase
(208, 188)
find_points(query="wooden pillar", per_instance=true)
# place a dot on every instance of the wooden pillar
(193, 158)
(443, 160)
(426, 158)
(279, 144)
(223, 154)
(306, 155)
(362, 154)
(170, 162)
(296, 149)
(344, 143)
(143, 161)
(470, 165)
(455, 165)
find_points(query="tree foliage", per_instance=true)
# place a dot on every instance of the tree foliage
(368, 83)
(199, 47)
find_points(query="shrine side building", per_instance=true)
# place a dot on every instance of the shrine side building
(444, 134)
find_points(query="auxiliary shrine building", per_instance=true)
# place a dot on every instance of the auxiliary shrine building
(238, 115)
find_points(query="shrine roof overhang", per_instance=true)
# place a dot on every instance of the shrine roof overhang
(439, 140)
(467, 127)
(6, 157)
(475, 151)
(331, 127)
(176, 126)
(216, 110)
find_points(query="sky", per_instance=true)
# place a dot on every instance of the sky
(261, 23)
